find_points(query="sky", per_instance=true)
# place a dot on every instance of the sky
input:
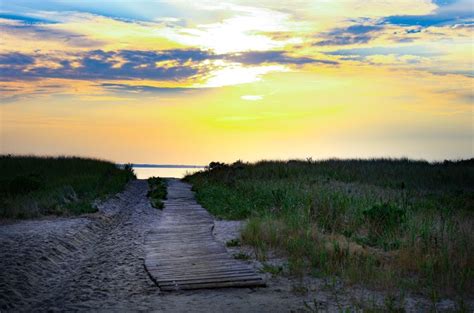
(190, 82)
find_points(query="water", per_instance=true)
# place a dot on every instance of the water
(146, 172)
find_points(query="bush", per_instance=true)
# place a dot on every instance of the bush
(34, 186)
(324, 214)
(383, 218)
(157, 191)
(329, 211)
(24, 184)
(216, 165)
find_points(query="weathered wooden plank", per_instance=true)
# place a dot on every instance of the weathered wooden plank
(183, 254)
(207, 277)
(190, 263)
(201, 273)
(208, 280)
(190, 248)
(188, 257)
(187, 251)
(202, 267)
(177, 268)
(244, 283)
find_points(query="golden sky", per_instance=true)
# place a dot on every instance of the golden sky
(189, 82)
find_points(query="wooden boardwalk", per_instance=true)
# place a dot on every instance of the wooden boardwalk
(182, 252)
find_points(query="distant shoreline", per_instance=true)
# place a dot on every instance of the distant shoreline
(164, 166)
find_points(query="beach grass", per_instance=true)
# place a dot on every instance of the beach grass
(391, 224)
(32, 186)
(157, 191)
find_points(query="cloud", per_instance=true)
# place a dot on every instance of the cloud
(16, 59)
(98, 64)
(125, 88)
(181, 55)
(354, 34)
(467, 73)
(12, 64)
(169, 65)
(123, 9)
(449, 12)
(280, 57)
(393, 50)
(35, 29)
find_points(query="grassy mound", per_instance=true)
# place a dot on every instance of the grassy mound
(386, 223)
(34, 186)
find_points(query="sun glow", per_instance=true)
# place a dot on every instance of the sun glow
(245, 30)
(234, 74)
(181, 81)
(251, 97)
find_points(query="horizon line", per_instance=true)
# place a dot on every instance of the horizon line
(147, 165)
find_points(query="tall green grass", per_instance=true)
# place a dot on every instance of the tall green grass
(34, 186)
(385, 223)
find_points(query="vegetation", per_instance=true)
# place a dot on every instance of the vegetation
(242, 256)
(272, 269)
(385, 223)
(158, 191)
(34, 186)
(233, 243)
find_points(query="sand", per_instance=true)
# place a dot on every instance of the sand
(95, 262)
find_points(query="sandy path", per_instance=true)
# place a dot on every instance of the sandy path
(96, 263)
(80, 263)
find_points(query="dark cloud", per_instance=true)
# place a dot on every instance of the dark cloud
(134, 64)
(16, 59)
(143, 88)
(413, 31)
(360, 29)
(13, 64)
(259, 57)
(355, 34)
(98, 64)
(181, 55)
(344, 40)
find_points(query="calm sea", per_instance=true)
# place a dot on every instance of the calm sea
(178, 172)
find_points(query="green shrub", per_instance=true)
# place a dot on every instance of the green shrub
(34, 186)
(272, 269)
(241, 256)
(329, 211)
(383, 218)
(416, 217)
(81, 207)
(24, 184)
(157, 191)
(233, 243)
